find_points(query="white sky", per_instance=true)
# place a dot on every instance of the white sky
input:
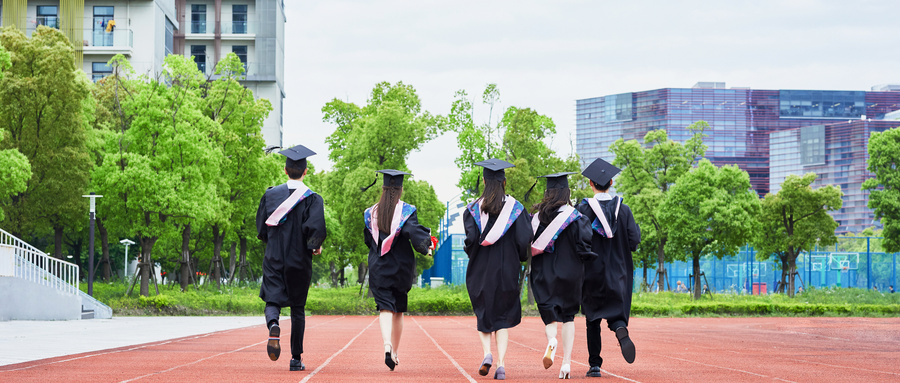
(547, 54)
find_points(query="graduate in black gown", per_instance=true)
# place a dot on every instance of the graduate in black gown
(391, 232)
(498, 239)
(608, 280)
(291, 222)
(562, 243)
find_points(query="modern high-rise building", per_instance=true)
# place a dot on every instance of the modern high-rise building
(768, 133)
(145, 31)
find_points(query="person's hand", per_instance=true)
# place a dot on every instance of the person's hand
(317, 251)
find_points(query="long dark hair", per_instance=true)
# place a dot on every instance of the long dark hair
(492, 197)
(385, 208)
(553, 199)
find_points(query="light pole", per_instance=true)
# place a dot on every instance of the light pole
(127, 242)
(93, 198)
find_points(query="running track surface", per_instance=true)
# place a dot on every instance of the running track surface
(447, 349)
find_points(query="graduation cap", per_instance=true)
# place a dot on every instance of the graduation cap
(554, 181)
(493, 170)
(296, 157)
(600, 171)
(391, 178)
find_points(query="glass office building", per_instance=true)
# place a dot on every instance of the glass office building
(743, 122)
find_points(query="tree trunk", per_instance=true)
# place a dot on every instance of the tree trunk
(530, 295)
(185, 257)
(232, 262)
(146, 263)
(661, 276)
(334, 274)
(57, 242)
(784, 273)
(106, 270)
(361, 273)
(244, 265)
(218, 239)
(646, 285)
(792, 269)
(696, 262)
(343, 278)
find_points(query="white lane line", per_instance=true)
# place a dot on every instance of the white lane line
(194, 362)
(724, 368)
(847, 367)
(576, 362)
(458, 367)
(308, 377)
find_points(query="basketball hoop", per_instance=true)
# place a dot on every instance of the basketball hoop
(845, 268)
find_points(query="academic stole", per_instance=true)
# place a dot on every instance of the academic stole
(545, 242)
(402, 212)
(511, 209)
(600, 224)
(280, 213)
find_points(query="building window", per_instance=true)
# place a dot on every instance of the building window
(104, 26)
(170, 37)
(241, 52)
(198, 18)
(239, 18)
(199, 53)
(48, 15)
(99, 70)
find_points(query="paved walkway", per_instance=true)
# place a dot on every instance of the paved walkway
(24, 341)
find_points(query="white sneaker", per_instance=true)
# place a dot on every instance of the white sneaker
(550, 353)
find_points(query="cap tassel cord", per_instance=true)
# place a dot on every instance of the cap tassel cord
(528, 193)
(363, 189)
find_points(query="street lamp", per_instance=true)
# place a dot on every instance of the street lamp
(127, 242)
(93, 198)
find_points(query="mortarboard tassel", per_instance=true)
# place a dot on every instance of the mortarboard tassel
(363, 189)
(529, 190)
(477, 182)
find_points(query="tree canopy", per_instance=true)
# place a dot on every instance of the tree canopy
(884, 189)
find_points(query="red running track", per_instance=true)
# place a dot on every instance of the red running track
(447, 349)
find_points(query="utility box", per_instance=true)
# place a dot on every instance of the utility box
(760, 288)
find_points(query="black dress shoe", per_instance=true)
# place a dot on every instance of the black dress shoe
(297, 365)
(273, 348)
(593, 372)
(389, 361)
(626, 344)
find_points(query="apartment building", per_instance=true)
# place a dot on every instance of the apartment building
(146, 31)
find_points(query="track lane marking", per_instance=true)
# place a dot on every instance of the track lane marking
(724, 368)
(455, 364)
(194, 362)
(308, 377)
(576, 362)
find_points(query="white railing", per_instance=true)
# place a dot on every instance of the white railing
(33, 265)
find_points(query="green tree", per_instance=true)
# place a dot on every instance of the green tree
(884, 189)
(794, 220)
(709, 211)
(379, 135)
(159, 168)
(43, 100)
(648, 172)
(14, 167)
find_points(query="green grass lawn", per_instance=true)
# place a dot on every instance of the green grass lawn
(243, 299)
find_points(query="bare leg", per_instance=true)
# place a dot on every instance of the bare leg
(502, 342)
(385, 318)
(485, 342)
(568, 340)
(550, 329)
(397, 331)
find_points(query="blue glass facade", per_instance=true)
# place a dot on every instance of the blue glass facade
(742, 121)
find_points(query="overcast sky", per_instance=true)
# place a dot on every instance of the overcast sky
(547, 54)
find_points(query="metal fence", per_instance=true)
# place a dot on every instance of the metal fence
(853, 262)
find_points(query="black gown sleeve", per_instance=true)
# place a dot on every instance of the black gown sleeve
(524, 236)
(472, 234)
(583, 235)
(262, 230)
(314, 226)
(419, 236)
(634, 232)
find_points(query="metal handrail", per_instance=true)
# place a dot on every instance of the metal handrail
(35, 266)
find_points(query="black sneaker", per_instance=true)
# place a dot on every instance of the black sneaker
(593, 372)
(273, 348)
(297, 365)
(626, 344)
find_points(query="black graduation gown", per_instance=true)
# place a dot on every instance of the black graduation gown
(609, 278)
(557, 277)
(492, 277)
(391, 275)
(287, 265)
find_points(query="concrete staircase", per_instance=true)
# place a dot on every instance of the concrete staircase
(36, 286)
